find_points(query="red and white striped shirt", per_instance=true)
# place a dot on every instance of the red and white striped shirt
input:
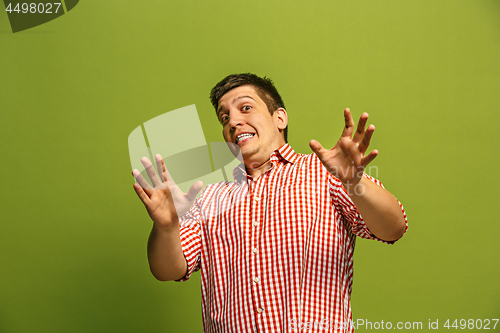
(275, 253)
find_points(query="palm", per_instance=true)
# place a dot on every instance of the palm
(347, 160)
(165, 202)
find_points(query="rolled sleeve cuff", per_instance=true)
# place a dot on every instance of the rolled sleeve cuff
(191, 247)
(350, 212)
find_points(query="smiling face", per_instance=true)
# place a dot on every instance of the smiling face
(247, 122)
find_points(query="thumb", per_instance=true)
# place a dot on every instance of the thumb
(194, 190)
(316, 147)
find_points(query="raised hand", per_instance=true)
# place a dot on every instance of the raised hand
(347, 159)
(165, 202)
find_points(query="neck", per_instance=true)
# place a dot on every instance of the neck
(257, 164)
(255, 169)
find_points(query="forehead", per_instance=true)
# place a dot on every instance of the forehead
(233, 95)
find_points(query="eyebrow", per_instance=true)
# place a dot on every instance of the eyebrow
(234, 100)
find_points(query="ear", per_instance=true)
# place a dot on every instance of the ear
(281, 118)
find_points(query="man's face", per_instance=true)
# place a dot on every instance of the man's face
(247, 123)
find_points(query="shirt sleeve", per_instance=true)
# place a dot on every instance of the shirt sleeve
(190, 234)
(346, 207)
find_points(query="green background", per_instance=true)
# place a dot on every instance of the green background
(73, 233)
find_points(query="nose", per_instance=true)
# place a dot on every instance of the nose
(236, 119)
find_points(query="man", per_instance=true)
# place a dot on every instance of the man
(275, 246)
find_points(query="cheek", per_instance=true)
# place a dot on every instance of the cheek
(225, 135)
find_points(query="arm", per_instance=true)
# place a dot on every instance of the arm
(380, 210)
(164, 203)
(346, 161)
(166, 259)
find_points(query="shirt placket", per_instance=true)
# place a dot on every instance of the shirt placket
(259, 199)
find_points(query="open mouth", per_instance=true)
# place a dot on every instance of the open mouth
(244, 136)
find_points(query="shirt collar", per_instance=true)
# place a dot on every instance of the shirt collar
(283, 153)
(286, 152)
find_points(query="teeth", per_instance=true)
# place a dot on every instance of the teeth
(243, 137)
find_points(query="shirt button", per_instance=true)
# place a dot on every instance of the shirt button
(255, 250)
(255, 223)
(256, 280)
(257, 198)
(259, 310)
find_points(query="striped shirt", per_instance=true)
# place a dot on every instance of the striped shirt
(275, 253)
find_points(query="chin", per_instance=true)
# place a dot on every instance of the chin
(249, 151)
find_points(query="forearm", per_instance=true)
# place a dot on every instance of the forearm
(380, 210)
(166, 259)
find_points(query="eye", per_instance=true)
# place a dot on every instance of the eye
(246, 108)
(224, 118)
